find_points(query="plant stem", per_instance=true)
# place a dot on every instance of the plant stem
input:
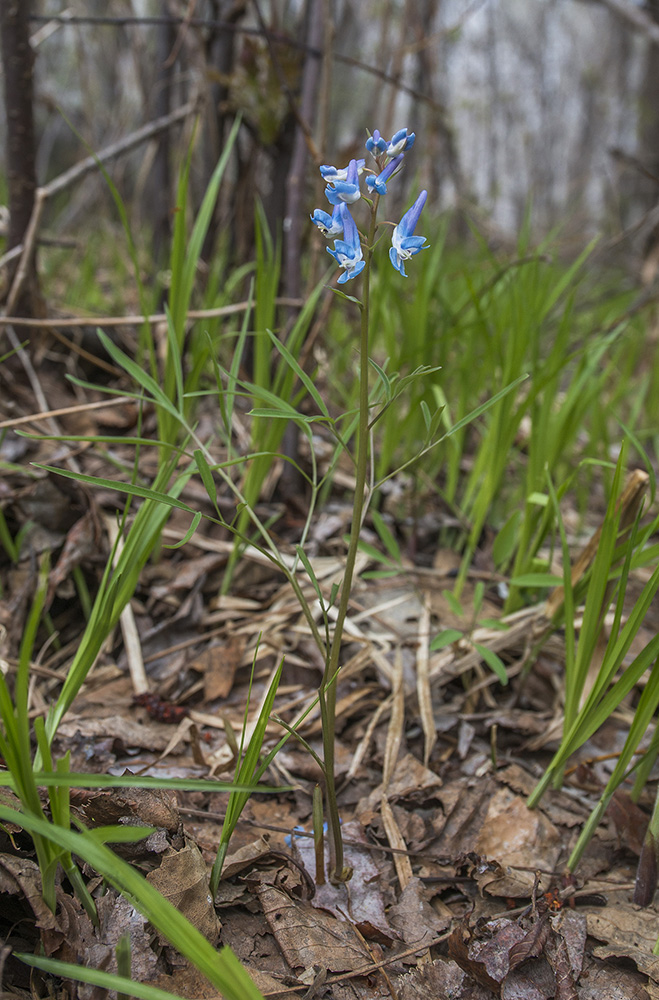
(338, 872)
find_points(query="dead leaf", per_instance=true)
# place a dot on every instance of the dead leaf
(437, 979)
(628, 933)
(187, 981)
(487, 973)
(570, 927)
(488, 951)
(410, 781)
(629, 820)
(532, 944)
(218, 664)
(124, 731)
(182, 878)
(21, 876)
(307, 936)
(516, 835)
(118, 918)
(245, 857)
(361, 899)
(602, 980)
(146, 806)
(414, 918)
(83, 539)
(187, 573)
(566, 987)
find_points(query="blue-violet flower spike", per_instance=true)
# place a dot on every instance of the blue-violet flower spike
(333, 174)
(400, 142)
(345, 191)
(375, 143)
(379, 183)
(348, 251)
(404, 244)
(329, 225)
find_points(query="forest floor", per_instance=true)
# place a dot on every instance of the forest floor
(459, 889)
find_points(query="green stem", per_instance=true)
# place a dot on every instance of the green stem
(338, 872)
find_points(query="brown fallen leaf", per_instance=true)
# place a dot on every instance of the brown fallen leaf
(570, 927)
(603, 980)
(182, 878)
(146, 806)
(506, 957)
(245, 857)
(516, 835)
(566, 987)
(460, 951)
(629, 820)
(21, 877)
(218, 664)
(413, 916)
(532, 944)
(627, 932)
(186, 574)
(83, 540)
(118, 919)
(361, 900)
(125, 732)
(440, 979)
(308, 937)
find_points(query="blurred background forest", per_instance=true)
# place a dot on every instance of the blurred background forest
(546, 110)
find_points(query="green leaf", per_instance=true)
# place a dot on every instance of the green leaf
(73, 779)
(386, 537)
(445, 638)
(304, 559)
(348, 298)
(385, 381)
(506, 541)
(536, 580)
(188, 535)
(301, 374)
(130, 489)
(453, 603)
(494, 662)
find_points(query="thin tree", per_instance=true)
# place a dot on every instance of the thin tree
(18, 71)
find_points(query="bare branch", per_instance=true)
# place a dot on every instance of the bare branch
(634, 16)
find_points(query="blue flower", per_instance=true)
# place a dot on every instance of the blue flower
(348, 251)
(329, 225)
(404, 244)
(345, 190)
(376, 144)
(400, 142)
(379, 183)
(334, 174)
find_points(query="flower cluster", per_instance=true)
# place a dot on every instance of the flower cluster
(343, 190)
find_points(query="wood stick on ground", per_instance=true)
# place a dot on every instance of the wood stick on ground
(629, 503)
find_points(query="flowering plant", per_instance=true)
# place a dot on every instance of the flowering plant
(343, 190)
(353, 252)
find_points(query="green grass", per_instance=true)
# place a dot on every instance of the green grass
(483, 322)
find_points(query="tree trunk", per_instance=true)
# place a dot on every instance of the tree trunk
(18, 66)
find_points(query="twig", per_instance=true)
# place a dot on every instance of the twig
(634, 16)
(628, 505)
(34, 418)
(115, 149)
(75, 322)
(129, 630)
